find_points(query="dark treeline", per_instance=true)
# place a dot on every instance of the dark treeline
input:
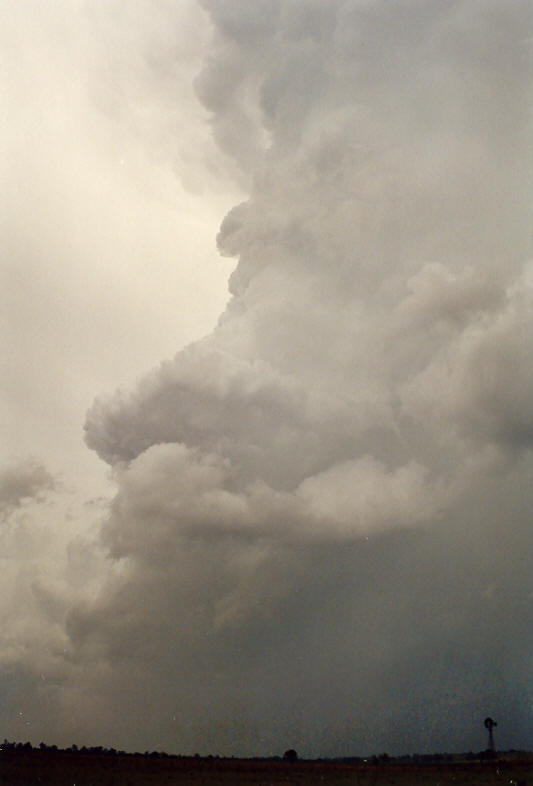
(290, 755)
(97, 750)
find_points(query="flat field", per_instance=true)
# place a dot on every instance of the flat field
(36, 768)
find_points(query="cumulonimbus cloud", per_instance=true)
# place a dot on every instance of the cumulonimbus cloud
(302, 494)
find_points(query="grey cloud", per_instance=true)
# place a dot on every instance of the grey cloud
(321, 530)
(486, 391)
(45, 568)
(22, 482)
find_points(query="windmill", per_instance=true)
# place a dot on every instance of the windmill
(490, 724)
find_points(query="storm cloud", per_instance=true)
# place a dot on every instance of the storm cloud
(21, 483)
(321, 531)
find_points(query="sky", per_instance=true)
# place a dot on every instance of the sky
(266, 412)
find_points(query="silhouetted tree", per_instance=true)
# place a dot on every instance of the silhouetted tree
(290, 755)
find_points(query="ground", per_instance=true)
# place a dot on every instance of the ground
(47, 768)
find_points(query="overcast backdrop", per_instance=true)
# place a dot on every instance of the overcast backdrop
(310, 527)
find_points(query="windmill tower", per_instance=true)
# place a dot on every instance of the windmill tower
(490, 724)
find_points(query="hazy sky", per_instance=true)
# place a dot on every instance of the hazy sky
(310, 527)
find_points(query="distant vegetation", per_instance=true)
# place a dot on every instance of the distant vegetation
(290, 755)
(21, 764)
